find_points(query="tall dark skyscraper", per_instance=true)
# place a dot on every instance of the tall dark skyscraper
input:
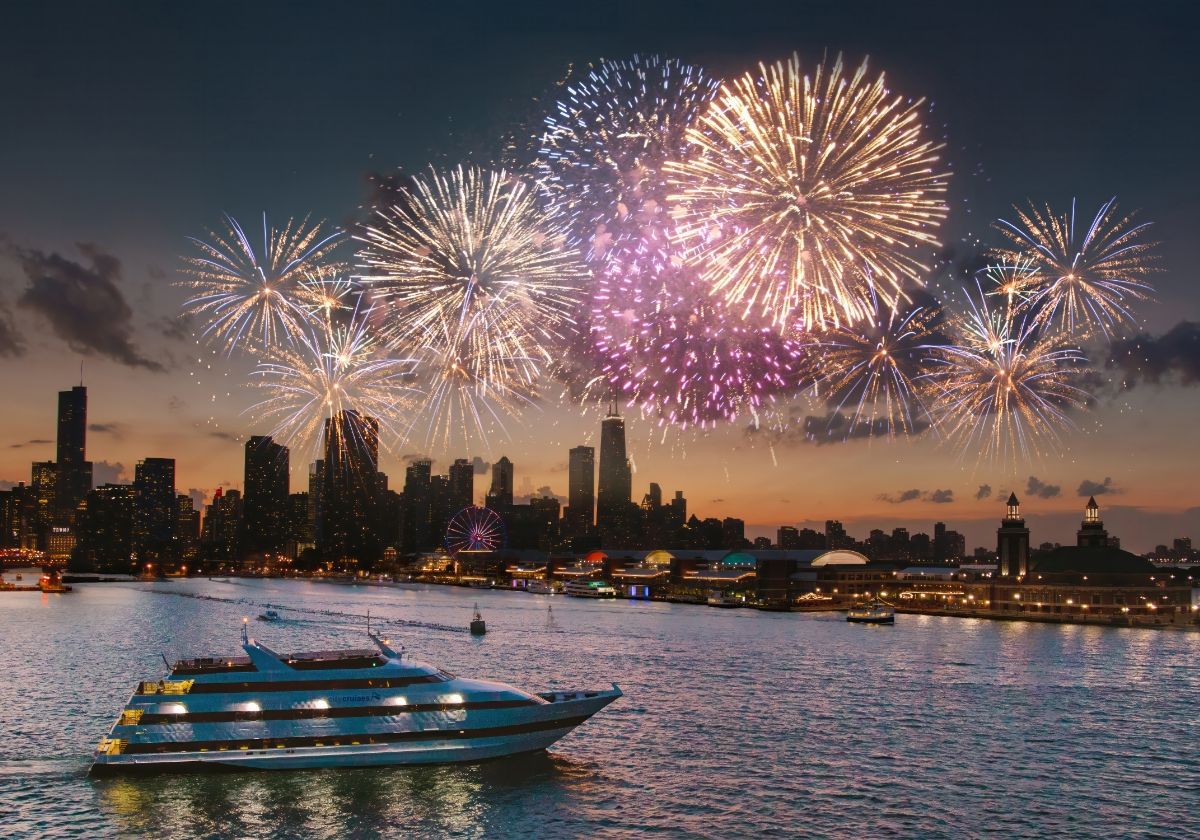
(74, 471)
(615, 488)
(418, 507)
(350, 499)
(155, 516)
(265, 495)
(581, 489)
(500, 495)
(462, 485)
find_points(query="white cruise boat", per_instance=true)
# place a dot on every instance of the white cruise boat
(344, 708)
(874, 611)
(586, 588)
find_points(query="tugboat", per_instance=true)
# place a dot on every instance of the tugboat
(478, 627)
(337, 708)
(872, 612)
(270, 615)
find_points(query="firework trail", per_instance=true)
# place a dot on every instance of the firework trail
(1085, 280)
(331, 369)
(871, 371)
(253, 299)
(605, 142)
(476, 280)
(1004, 386)
(798, 191)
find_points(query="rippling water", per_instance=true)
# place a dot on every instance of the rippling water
(734, 722)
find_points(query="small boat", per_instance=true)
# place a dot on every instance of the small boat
(872, 612)
(590, 589)
(717, 598)
(270, 615)
(478, 627)
(337, 708)
(540, 587)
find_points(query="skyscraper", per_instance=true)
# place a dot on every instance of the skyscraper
(462, 485)
(500, 495)
(155, 515)
(265, 495)
(74, 477)
(417, 507)
(581, 489)
(351, 488)
(615, 487)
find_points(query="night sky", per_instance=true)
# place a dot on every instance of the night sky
(128, 128)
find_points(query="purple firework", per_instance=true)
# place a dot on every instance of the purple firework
(673, 351)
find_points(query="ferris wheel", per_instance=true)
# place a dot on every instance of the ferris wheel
(475, 529)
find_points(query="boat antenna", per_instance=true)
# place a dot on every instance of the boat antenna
(245, 637)
(164, 659)
(368, 621)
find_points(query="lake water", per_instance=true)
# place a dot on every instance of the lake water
(735, 722)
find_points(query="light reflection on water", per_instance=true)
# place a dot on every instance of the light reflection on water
(735, 722)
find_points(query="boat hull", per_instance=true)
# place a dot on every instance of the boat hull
(890, 619)
(552, 721)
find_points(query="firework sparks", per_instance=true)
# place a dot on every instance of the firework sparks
(672, 350)
(1086, 280)
(248, 296)
(477, 280)
(795, 189)
(606, 140)
(323, 296)
(870, 371)
(328, 370)
(1005, 386)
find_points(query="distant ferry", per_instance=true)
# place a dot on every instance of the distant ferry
(342, 708)
(872, 612)
(589, 589)
(717, 598)
(540, 587)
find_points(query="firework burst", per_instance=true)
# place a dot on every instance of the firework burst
(476, 279)
(870, 371)
(795, 189)
(248, 296)
(671, 349)
(1005, 386)
(606, 140)
(328, 370)
(1086, 279)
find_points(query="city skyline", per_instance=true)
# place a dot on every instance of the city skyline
(90, 272)
(266, 473)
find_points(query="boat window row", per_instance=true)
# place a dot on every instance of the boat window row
(350, 740)
(335, 712)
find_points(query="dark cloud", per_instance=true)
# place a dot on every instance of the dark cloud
(34, 442)
(177, 327)
(1041, 490)
(221, 434)
(409, 457)
(937, 497)
(830, 428)
(117, 430)
(11, 344)
(5, 484)
(175, 404)
(984, 492)
(1097, 488)
(1173, 356)
(82, 303)
(108, 472)
(716, 501)
(479, 466)
(901, 497)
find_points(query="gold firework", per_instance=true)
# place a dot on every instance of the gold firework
(1085, 280)
(1004, 387)
(248, 296)
(795, 189)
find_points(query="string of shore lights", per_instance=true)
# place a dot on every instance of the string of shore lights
(704, 251)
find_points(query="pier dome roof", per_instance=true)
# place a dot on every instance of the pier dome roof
(739, 560)
(659, 557)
